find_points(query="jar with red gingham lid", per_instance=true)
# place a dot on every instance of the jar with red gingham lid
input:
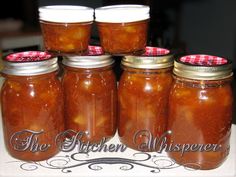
(32, 105)
(200, 110)
(143, 98)
(90, 95)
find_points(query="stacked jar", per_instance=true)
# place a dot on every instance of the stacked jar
(143, 98)
(123, 28)
(88, 81)
(66, 29)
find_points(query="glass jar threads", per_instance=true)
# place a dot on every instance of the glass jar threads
(200, 110)
(123, 28)
(66, 29)
(90, 95)
(32, 105)
(143, 97)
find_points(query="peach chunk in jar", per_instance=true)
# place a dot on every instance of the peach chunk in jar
(68, 38)
(123, 38)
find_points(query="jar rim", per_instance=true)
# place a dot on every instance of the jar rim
(95, 61)
(122, 13)
(153, 58)
(66, 13)
(203, 67)
(29, 63)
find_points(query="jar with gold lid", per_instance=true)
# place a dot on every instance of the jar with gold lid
(143, 97)
(32, 105)
(90, 93)
(200, 110)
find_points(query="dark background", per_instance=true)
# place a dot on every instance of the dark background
(184, 26)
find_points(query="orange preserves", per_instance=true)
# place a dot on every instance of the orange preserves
(66, 38)
(32, 106)
(143, 99)
(90, 97)
(200, 110)
(119, 38)
(123, 28)
(66, 29)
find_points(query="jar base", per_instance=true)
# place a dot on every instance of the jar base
(32, 157)
(197, 164)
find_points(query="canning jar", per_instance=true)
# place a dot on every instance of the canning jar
(143, 98)
(66, 29)
(123, 28)
(32, 105)
(90, 95)
(200, 111)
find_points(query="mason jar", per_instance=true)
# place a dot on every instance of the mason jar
(32, 105)
(90, 95)
(143, 98)
(123, 28)
(66, 29)
(200, 111)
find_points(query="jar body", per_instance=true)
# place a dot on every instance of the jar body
(32, 104)
(90, 102)
(143, 99)
(66, 38)
(123, 38)
(200, 112)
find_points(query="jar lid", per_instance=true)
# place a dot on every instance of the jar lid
(29, 63)
(153, 58)
(66, 13)
(95, 58)
(122, 13)
(203, 67)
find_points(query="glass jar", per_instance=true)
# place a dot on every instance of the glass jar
(123, 28)
(66, 29)
(143, 98)
(90, 96)
(32, 105)
(200, 111)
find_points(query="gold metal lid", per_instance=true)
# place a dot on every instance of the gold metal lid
(88, 61)
(29, 63)
(203, 67)
(153, 58)
(95, 58)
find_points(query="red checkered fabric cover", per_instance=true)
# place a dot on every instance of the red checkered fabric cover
(203, 60)
(28, 56)
(95, 50)
(155, 51)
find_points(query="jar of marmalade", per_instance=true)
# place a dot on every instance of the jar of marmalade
(32, 105)
(143, 98)
(66, 29)
(200, 111)
(90, 95)
(123, 28)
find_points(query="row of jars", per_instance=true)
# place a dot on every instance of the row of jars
(122, 28)
(193, 100)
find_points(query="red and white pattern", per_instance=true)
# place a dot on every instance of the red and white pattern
(28, 56)
(95, 50)
(155, 51)
(203, 60)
